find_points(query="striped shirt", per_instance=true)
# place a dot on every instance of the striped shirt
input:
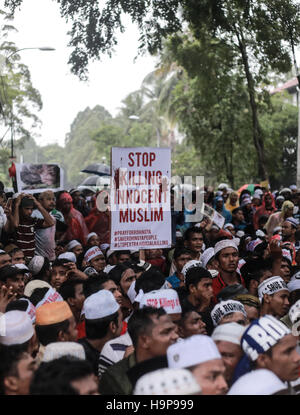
(25, 235)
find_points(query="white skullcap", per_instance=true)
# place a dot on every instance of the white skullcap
(293, 187)
(286, 254)
(51, 296)
(207, 255)
(92, 253)
(293, 285)
(271, 286)
(58, 349)
(104, 247)
(236, 241)
(224, 308)
(229, 332)
(109, 252)
(90, 271)
(21, 266)
(226, 243)
(214, 226)
(167, 382)
(36, 264)
(295, 277)
(72, 244)
(257, 382)
(190, 264)
(70, 256)
(277, 229)
(90, 235)
(258, 192)
(213, 272)
(15, 328)
(131, 293)
(100, 305)
(167, 299)
(178, 234)
(108, 268)
(261, 335)
(30, 310)
(223, 186)
(294, 312)
(192, 351)
(32, 285)
(239, 234)
(228, 225)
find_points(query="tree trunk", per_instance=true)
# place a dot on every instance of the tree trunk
(257, 132)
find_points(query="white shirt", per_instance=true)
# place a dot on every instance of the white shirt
(44, 238)
(113, 351)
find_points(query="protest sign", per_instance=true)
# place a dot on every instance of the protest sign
(213, 215)
(140, 198)
(36, 178)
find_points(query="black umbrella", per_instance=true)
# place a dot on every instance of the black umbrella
(97, 168)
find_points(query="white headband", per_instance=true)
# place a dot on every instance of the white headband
(92, 253)
(294, 312)
(271, 286)
(166, 298)
(223, 308)
(51, 296)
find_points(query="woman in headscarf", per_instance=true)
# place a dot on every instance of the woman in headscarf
(77, 228)
(99, 221)
(266, 209)
(219, 207)
(277, 219)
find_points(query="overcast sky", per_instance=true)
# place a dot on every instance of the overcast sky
(39, 24)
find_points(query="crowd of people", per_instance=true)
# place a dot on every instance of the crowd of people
(216, 313)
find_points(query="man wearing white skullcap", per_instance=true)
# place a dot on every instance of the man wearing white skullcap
(228, 340)
(273, 294)
(70, 256)
(167, 382)
(200, 355)
(94, 258)
(269, 344)
(258, 382)
(93, 240)
(103, 322)
(75, 247)
(227, 259)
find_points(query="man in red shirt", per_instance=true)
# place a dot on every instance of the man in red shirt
(227, 257)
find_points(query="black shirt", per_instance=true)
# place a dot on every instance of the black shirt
(91, 354)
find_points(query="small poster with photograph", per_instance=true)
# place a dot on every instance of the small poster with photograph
(36, 178)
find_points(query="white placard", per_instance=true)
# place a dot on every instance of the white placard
(36, 178)
(213, 215)
(140, 198)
